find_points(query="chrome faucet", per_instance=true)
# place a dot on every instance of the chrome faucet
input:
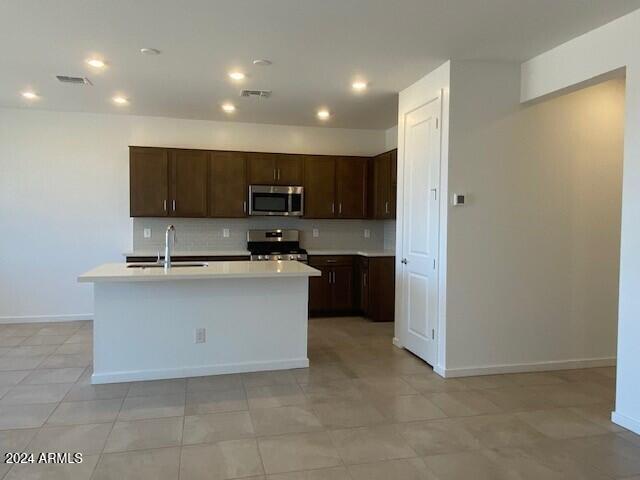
(171, 232)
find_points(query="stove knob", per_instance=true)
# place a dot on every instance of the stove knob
(292, 257)
(279, 257)
(260, 257)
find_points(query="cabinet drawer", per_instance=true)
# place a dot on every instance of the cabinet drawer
(329, 260)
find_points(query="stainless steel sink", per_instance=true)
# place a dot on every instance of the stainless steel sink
(173, 265)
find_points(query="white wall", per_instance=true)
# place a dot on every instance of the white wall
(533, 256)
(596, 53)
(64, 200)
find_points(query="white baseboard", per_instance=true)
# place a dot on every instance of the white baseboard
(396, 342)
(528, 367)
(161, 374)
(46, 318)
(626, 422)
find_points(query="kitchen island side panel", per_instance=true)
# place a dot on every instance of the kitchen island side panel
(146, 330)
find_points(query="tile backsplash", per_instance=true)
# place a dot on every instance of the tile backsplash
(195, 234)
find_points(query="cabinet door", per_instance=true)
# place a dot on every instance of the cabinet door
(262, 168)
(394, 182)
(319, 187)
(382, 186)
(319, 300)
(362, 285)
(289, 170)
(351, 187)
(189, 181)
(228, 184)
(382, 289)
(148, 182)
(342, 288)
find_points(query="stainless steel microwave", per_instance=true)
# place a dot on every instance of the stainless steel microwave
(276, 200)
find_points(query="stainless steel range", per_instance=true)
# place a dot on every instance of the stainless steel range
(275, 245)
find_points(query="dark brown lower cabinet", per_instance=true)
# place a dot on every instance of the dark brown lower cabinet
(353, 285)
(333, 292)
(380, 287)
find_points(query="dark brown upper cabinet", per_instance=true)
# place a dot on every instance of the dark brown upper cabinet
(384, 185)
(188, 188)
(319, 186)
(335, 187)
(148, 182)
(275, 169)
(351, 187)
(228, 184)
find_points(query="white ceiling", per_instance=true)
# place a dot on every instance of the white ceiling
(317, 47)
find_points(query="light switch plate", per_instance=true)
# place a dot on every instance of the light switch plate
(200, 335)
(225, 232)
(367, 233)
(147, 233)
(316, 233)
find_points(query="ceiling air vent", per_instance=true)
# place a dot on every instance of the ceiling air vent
(74, 80)
(255, 93)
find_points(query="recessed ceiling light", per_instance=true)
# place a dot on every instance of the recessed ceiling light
(228, 107)
(359, 85)
(262, 62)
(323, 114)
(96, 62)
(120, 100)
(237, 75)
(150, 51)
(29, 95)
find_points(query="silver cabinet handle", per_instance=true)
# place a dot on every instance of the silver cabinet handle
(333, 207)
(278, 174)
(164, 205)
(386, 207)
(331, 261)
(275, 174)
(340, 208)
(404, 261)
(174, 205)
(364, 279)
(244, 206)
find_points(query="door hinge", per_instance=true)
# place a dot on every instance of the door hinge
(433, 334)
(434, 263)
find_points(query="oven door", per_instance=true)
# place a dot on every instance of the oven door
(275, 200)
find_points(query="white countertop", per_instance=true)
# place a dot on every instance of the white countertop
(189, 253)
(238, 253)
(118, 272)
(362, 253)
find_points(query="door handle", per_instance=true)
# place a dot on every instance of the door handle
(404, 261)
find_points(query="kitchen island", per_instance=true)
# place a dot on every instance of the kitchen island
(147, 320)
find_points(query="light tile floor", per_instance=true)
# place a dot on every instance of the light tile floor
(363, 410)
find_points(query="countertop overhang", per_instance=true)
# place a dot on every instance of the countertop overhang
(120, 272)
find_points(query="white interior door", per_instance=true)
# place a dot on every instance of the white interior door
(421, 230)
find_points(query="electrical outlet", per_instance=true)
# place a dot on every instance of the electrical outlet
(316, 233)
(367, 233)
(147, 233)
(201, 335)
(225, 232)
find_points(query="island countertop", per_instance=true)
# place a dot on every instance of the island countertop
(122, 272)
